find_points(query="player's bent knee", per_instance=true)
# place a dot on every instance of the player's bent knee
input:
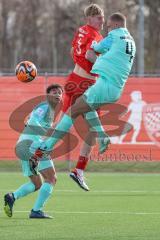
(37, 181)
(38, 186)
(49, 175)
(52, 180)
(79, 107)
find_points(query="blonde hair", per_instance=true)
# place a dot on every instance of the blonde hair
(93, 10)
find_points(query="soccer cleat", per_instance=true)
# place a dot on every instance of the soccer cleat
(103, 144)
(79, 180)
(8, 204)
(39, 214)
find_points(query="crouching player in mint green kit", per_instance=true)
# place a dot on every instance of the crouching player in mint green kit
(39, 124)
(113, 66)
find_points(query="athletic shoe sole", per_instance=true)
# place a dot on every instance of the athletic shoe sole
(7, 208)
(72, 175)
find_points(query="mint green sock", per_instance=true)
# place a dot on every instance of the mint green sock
(60, 130)
(94, 121)
(44, 193)
(24, 190)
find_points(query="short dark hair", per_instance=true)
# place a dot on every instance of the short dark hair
(118, 17)
(53, 86)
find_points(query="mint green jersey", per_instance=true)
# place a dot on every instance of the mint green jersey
(39, 122)
(116, 59)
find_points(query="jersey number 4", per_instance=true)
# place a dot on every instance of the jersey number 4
(129, 50)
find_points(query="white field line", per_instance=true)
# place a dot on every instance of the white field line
(99, 191)
(97, 212)
(113, 191)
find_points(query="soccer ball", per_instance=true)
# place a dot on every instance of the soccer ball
(26, 71)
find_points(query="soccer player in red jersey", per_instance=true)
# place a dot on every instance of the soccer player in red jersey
(81, 78)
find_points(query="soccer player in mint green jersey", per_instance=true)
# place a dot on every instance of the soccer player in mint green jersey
(113, 66)
(38, 126)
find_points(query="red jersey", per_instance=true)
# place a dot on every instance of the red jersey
(81, 43)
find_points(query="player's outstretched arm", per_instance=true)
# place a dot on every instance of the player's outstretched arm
(104, 45)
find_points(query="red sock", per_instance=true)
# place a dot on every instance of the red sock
(82, 162)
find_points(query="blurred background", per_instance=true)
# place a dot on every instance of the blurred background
(123, 203)
(41, 31)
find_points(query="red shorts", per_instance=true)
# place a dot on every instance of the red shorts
(74, 88)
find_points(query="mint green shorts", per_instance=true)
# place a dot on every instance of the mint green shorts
(102, 92)
(22, 152)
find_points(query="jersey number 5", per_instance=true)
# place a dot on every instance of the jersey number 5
(78, 50)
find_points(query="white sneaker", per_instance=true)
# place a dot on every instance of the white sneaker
(79, 179)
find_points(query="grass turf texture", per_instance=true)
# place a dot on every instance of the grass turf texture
(120, 206)
(93, 166)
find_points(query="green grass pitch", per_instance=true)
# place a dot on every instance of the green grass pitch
(120, 206)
